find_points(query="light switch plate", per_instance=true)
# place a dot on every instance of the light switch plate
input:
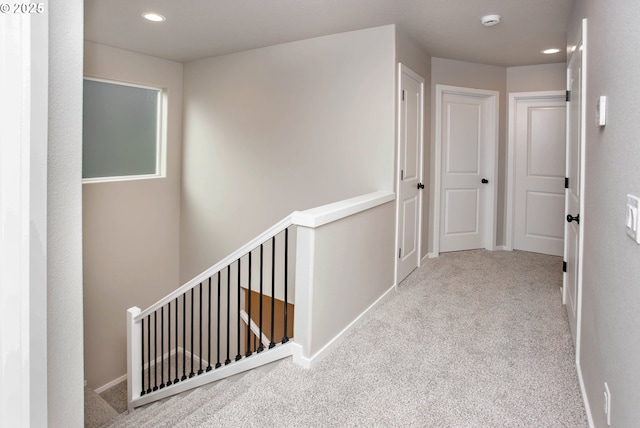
(602, 110)
(631, 222)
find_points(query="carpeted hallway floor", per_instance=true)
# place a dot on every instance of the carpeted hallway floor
(471, 339)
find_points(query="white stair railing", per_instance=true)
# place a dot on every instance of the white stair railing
(170, 343)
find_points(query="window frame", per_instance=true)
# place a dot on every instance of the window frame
(161, 134)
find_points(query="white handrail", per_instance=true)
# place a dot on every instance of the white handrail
(260, 239)
(314, 217)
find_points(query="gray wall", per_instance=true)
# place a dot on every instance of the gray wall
(529, 78)
(283, 128)
(64, 217)
(350, 278)
(610, 324)
(130, 228)
(412, 55)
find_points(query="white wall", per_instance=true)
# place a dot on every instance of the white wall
(611, 288)
(412, 55)
(130, 228)
(64, 226)
(283, 128)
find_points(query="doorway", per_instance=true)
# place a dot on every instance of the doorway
(409, 171)
(574, 201)
(536, 170)
(466, 159)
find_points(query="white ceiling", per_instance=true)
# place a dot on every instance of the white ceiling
(446, 28)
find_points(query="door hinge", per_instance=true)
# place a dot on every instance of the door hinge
(399, 252)
(401, 174)
(564, 266)
(566, 182)
(403, 95)
(568, 96)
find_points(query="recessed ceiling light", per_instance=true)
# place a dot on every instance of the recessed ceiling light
(490, 20)
(155, 17)
(550, 51)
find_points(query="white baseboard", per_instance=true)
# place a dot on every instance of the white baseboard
(585, 399)
(503, 248)
(433, 255)
(299, 358)
(165, 356)
(187, 354)
(306, 362)
(113, 383)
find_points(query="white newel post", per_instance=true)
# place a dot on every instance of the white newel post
(134, 356)
(305, 245)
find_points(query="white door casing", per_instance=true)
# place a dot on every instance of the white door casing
(24, 112)
(574, 201)
(409, 171)
(536, 170)
(465, 169)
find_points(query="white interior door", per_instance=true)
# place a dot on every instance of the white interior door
(539, 145)
(575, 174)
(410, 131)
(467, 143)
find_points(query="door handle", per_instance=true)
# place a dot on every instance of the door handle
(485, 181)
(571, 218)
(420, 186)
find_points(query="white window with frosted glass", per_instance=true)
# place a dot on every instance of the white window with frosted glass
(123, 131)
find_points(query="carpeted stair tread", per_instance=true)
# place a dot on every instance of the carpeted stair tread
(152, 414)
(171, 413)
(234, 390)
(116, 396)
(251, 407)
(125, 419)
(100, 412)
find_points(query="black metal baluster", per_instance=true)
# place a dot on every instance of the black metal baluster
(176, 380)
(228, 360)
(162, 347)
(191, 373)
(218, 327)
(155, 350)
(169, 344)
(142, 359)
(273, 290)
(285, 338)
(209, 329)
(200, 371)
(238, 356)
(184, 336)
(260, 347)
(249, 310)
(149, 354)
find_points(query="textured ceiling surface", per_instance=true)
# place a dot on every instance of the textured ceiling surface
(451, 29)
